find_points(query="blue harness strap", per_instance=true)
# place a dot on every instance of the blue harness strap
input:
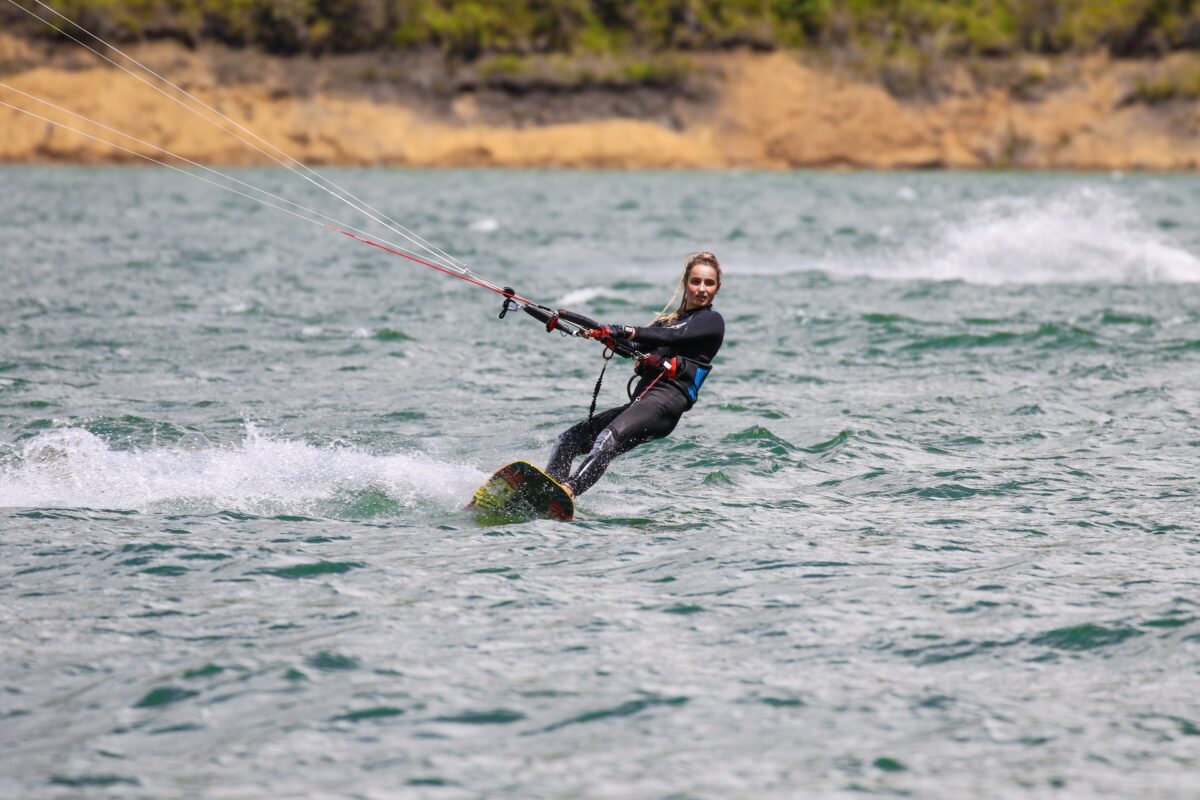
(693, 388)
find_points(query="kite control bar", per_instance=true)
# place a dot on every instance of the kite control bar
(618, 346)
(568, 322)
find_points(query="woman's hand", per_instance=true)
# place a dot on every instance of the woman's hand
(669, 367)
(610, 332)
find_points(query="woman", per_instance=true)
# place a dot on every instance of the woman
(675, 356)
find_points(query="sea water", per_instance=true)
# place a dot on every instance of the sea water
(930, 531)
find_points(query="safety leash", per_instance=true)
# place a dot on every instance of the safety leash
(608, 354)
(657, 378)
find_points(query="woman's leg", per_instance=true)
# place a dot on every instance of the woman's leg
(576, 441)
(652, 417)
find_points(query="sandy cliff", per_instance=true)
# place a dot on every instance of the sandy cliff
(760, 111)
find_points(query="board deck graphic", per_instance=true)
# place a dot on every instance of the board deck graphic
(522, 491)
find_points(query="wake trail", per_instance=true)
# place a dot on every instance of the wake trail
(74, 468)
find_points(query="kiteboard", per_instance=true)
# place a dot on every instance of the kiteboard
(522, 491)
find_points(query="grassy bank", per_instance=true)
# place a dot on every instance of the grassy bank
(467, 30)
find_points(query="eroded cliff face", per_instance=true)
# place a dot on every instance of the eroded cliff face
(789, 115)
(758, 111)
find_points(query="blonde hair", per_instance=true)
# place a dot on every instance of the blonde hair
(703, 257)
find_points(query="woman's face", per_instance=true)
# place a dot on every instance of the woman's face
(701, 287)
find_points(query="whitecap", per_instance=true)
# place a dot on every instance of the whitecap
(585, 295)
(1085, 235)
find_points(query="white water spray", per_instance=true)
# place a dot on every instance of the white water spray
(1085, 235)
(74, 468)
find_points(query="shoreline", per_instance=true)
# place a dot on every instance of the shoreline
(1114, 172)
(739, 111)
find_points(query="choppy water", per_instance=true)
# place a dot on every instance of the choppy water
(931, 530)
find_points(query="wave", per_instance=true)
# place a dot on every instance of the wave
(74, 468)
(579, 297)
(485, 225)
(1088, 234)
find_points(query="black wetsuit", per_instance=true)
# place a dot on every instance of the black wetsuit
(694, 337)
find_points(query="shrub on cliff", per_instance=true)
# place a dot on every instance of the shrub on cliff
(470, 29)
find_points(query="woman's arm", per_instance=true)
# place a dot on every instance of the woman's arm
(697, 329)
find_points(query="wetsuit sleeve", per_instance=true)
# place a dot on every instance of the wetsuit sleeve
(704, 328)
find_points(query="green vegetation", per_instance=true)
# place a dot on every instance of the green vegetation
(585, 70)
(907, 32)
(1176, 82)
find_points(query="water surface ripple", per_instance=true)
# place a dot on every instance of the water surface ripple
(930, 531)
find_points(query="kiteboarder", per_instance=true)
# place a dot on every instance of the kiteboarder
(674, 357)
